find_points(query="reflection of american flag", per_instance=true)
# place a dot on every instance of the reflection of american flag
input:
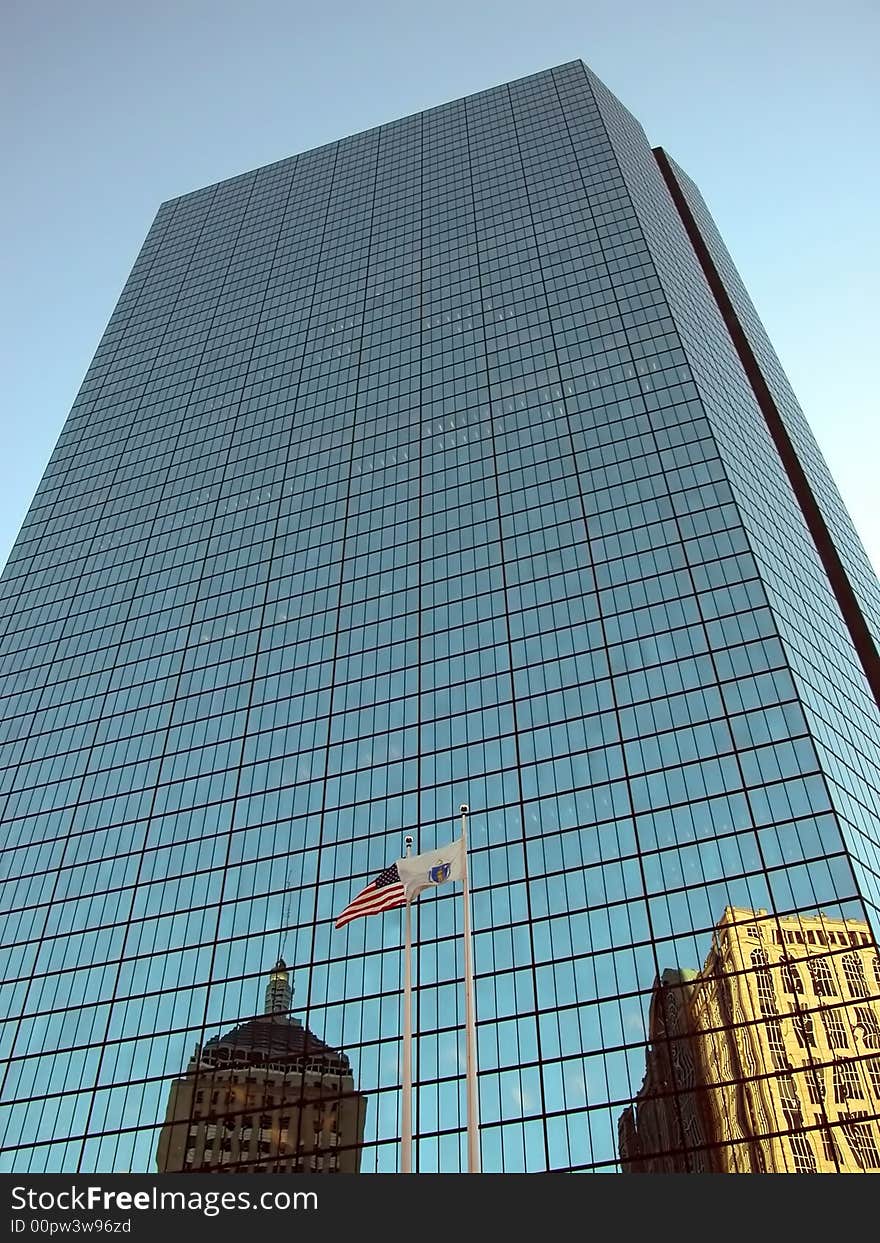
(383, 893)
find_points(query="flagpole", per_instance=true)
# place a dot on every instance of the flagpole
(473, 1104)
(406, 1092)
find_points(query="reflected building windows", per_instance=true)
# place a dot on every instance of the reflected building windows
(753, 1058)
(791, 980)
(448, 462)
(862, 1140)
(776, 1043)
(867, 1024)
(822, 976)
(288, 1102)
(764, 982)
(803, 1028)
(845, 1076)
(836, 1028)
(854, 974)
(804, 1159)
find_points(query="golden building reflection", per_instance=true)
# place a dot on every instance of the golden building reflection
(768, 1059)
(266, 1097)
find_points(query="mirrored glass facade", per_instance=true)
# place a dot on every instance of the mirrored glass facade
(431, 467)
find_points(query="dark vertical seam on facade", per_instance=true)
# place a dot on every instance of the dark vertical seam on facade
(710, 651)
(838, 578)
(746, 788)
(804, 497)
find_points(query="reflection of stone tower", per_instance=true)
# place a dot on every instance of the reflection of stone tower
(768, 1060)
(267, 1096)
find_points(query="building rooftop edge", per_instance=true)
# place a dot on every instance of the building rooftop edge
(448, 103)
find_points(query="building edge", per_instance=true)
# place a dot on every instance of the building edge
(839, 580)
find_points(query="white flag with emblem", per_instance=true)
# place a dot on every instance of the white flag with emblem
(434, 867)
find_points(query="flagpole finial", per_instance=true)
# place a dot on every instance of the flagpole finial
(407, 844)
(464, 809)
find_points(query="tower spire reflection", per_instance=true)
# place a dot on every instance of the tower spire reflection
(267, 1096)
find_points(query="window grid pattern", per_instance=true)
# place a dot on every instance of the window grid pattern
(401, 478)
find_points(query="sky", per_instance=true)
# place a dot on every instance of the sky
(108, 107)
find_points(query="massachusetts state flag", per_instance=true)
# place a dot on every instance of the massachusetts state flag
(382, 894)
(434, 867)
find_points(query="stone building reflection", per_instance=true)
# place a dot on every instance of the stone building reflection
(266, 1097)
(767, 1060)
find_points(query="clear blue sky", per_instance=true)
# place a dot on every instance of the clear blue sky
(110, 106)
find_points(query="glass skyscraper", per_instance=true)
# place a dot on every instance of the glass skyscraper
(445, 463)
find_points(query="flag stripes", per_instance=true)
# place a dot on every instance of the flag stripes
(382, 894)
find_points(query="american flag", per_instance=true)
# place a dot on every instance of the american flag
(382, 894)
